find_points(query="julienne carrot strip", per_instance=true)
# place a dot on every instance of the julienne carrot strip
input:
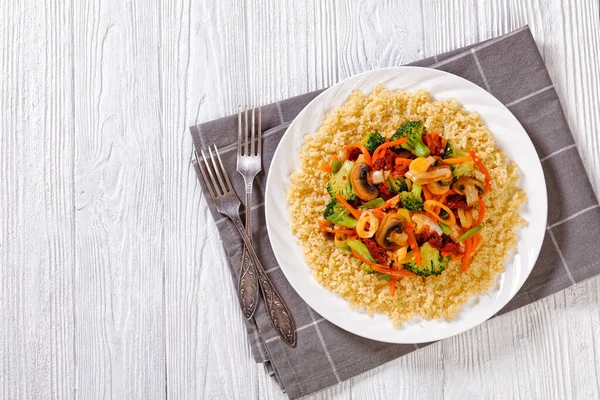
(382, 147)
(484, 171)
(323, 224)
(400, 272)
(458, 160)
(405, 161)
(393, 286)
(457, 257)
(426, 193)
(355, 213)
(364, 150)
(412, 241)
(340, 231)
(327, 168)
(390, 203)
(428, 141)
(466, 258)
(377, 213)
(481, 211)
(382, 268)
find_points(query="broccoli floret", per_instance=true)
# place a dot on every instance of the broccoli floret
(397, 184)
(463, 169)
(373, 141)
(335, 166)
(432, 262)
(414, 131)
(337, 214)
(340, 182)
(452, 151)
(362, 249)
(412, 200)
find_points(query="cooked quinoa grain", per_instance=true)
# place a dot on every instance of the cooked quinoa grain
(435, 296)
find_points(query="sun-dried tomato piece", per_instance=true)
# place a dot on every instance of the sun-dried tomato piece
(384, 193)
(352, 153)
(376, 251)
(451, 247)
(379, 164)
(399, 170)
(435, 240)
(457, 201)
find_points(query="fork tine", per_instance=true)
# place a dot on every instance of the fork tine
(259, 144)
(229, 188)
(253, 130)
(210, 183)
(246, 131)
(217, 171)
(239, 150)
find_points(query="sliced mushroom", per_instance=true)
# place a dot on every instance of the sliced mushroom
(471, 188)
(459, 185)
(440, 187)
(391, 231)
(362, 182)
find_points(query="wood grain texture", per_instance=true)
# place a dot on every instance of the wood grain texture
(113, 279)
(36, 187)
(119, 201)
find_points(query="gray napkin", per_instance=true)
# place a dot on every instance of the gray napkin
(509, 67)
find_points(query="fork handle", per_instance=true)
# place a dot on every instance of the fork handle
(248, 281)
(278, 313)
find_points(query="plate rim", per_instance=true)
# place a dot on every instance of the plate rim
(538, 235)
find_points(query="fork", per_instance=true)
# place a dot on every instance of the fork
(227, 203)
(248, 165)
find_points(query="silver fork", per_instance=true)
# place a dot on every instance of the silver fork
(228, 204)
(248, 165)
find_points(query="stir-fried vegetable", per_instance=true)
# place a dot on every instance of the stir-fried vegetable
(396, 184)
(433, 263)
(431, 205)
(463, 169)
(469, 233)
(452, 151)
(373, 141)
(378, 202)
(412, 200)
(339, 215)
(413, 131)
(340, 182)
(335, 166)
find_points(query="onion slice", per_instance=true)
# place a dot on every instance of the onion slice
(471, 194)
(466, 219)
(423, 220)
(424, 178)
(367, 218)
(430, 207)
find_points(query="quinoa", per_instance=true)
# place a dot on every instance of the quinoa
(439, 297)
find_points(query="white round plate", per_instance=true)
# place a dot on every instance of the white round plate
(509, 135)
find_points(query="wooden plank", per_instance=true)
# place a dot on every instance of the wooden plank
(119, 174)
(37, 214)
(203, 76)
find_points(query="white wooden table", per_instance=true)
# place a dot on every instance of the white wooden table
(113, 278)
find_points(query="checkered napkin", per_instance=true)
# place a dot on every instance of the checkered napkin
(509, 67)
